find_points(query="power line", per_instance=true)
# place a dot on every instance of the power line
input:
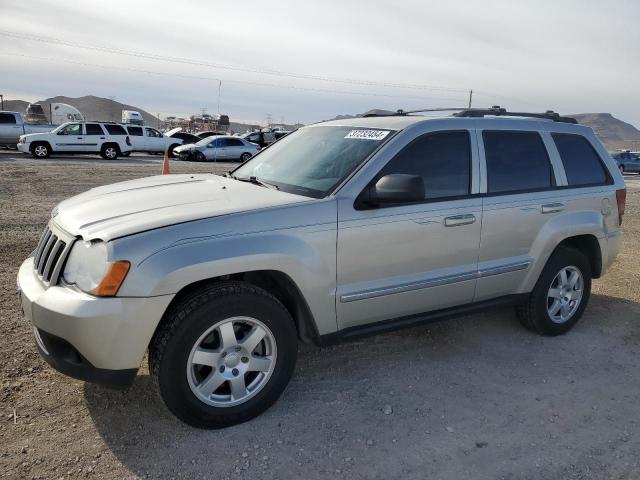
(214, 79)
(240, 68)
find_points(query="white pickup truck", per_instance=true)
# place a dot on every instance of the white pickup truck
(12, 127)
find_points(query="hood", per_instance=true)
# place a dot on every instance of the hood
(186, 148)
(172, 131)
(134, 206)
(32, 136)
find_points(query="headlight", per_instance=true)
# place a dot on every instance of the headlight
(87, 267)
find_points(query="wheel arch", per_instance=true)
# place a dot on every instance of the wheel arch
(275, 282)
(589, 246)
(38, 142)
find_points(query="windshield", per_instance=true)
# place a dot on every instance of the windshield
(312, 161)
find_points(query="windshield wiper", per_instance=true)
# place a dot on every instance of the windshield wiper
(256, 181)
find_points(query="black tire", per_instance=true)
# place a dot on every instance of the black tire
(38, 147)
(533, 312)
(171, 147)
(246, 156)
(187, 320)
(110, 151)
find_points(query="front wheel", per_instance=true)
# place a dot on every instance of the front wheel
(223, 354)
(560, 295)
(40, 150)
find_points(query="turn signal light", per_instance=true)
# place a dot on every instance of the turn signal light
(111, 282)
(621, 200)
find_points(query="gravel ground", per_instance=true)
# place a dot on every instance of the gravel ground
(474, 397)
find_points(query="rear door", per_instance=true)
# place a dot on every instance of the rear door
(235, 148)
(520, 181)
(401, 260)
(93, 138)
(137, 138)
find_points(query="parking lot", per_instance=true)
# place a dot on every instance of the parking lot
(474, 397)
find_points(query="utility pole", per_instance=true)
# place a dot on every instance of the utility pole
(470, 97)
(219, 88)
(1, 102)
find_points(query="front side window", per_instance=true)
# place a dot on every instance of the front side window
(7, 118)
(153, 133)
(516, 161)
(94, 129)
(582, 164)
(71, 129)
(115, 129)
(135, 131)
(312, 161)
(442, 159)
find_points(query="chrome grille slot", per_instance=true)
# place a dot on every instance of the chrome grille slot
(51, 253)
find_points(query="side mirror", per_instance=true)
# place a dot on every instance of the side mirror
(395, 188)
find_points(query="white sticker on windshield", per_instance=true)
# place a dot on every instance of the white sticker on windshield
(367, 134)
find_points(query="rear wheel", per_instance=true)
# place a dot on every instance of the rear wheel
(621, 167)
(109, 151)
(245, 157)
(560, 296)
(223, 354)
(40, 150)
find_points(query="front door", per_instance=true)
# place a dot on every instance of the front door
(154, 140)
(69, 138)
(403, 260)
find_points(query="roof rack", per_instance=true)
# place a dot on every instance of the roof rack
(495, 111)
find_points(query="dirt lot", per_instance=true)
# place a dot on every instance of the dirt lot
(475, 397)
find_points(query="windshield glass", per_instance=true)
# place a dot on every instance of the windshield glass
(312, 161)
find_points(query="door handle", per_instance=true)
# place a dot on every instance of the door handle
(458, 220)
(552, 207)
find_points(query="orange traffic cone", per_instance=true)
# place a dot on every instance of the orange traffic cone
(165, 163)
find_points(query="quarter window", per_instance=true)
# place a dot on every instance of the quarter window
(94, 129)
(582, 164)
(516, 161)
(442, 159)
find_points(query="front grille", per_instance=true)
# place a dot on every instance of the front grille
(51, 252)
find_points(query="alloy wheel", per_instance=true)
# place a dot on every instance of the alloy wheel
(565, 294)
(231, 361)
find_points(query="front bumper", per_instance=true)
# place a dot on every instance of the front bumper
(24, 147)
(94, 339)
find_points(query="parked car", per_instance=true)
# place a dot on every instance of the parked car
(209, 133)
(218, 149)
(341, 229)
(12, 127)
(150, 140)
(107, 139)
(627, 161)
(264, 137)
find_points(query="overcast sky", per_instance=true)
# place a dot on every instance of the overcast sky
(571, 56)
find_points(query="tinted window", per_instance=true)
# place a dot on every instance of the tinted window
(234, 142)
(115, 129)
(135, 131)
(7, 118)
(516, 161)
(94, 129)
(581, 162)
(442, 159)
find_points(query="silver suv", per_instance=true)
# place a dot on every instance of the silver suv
(339, 229)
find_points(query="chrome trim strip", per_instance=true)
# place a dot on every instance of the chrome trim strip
(407, 287)
(509, 267)
(434, 282)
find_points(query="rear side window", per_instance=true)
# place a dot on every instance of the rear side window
(115, 129)
(7, 118)
(442, 159)
(135, 131)
(234, 142)
(582, 164)
(516, 161)
(94, 129)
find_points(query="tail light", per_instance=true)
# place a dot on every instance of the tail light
(621, 200)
